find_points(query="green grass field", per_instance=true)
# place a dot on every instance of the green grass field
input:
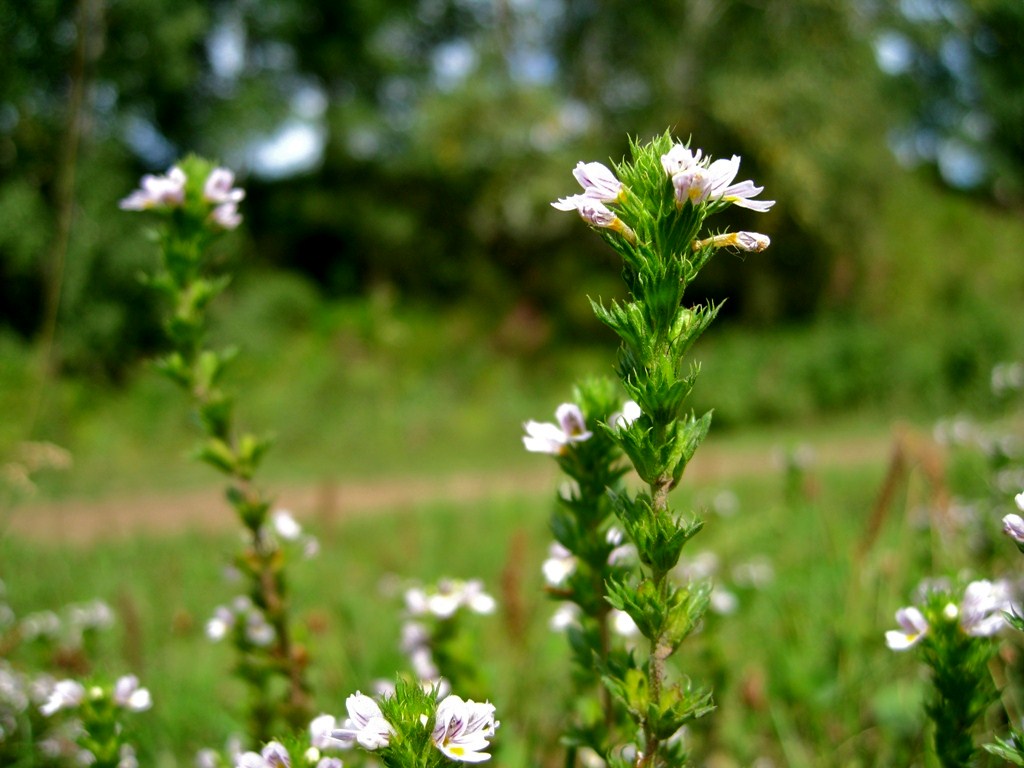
(392, 397)
(800, 671)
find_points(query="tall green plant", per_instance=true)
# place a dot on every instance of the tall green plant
(196, 202)
(652, 210)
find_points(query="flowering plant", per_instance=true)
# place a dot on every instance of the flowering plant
(439, 651)
(196, 201)
(651, 210)
(956, 640)
(413, 729)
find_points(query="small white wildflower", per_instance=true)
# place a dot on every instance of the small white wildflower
(320, 729)
(127, 757)
(623, 624)
(285, 524)
(723, 602)
(258, 631)
(680, 158)
(365, 725)
(559, 565)
(226, 216)
(157, 192)
(981, 611)
(1013, 526)
(273, 755)
(556, 438)
(596, 214)
(219, 187)
(630, 412)
(130, 695)
(477, 599)
(598, 182)
(913, 627)
(565, 616)
(223, 621)
(463, 729)
(66, 694)
(751, 242)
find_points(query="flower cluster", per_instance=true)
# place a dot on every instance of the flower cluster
(126, 694)
(461, 730)
(69, 628)
(696, 181)
(979, 614)
(276, 755)
(432, 633)
(244, 617)
(444, 599)
(167, 192)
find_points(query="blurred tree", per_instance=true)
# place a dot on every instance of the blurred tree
(959, 65)
(417, 143)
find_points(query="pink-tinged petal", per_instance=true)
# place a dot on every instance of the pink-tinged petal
(598, 182)
(570, 418)
(1013, 526)
(219, 187)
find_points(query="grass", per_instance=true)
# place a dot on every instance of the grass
(800, 672)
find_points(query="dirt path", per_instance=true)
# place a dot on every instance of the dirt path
(80, 523)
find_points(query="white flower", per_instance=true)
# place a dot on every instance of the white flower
(721, 188)
(219, 187)
(1013, 526)
(476, 599)
(698, 181)
(565, 616)
(462, 729)
(66, 694)
(680, 158)
(913, 627)
(623, 624)
(129, 695)
(556, 438)
(365, 725)
(273, 755)
(751, 242)
(630, 412)
(320, 729)
(226, 216)
(593, 211)
(723, 602)
(218, 627)
(981, 611)
(559, 565)
(157, 192)
(257, 630)
(598, 182)
(127, 756)
(448, 597)
(1019, 501)
(286, 526)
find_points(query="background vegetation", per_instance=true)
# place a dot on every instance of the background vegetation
(406, 298)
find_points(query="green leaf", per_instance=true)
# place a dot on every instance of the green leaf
(217, 454)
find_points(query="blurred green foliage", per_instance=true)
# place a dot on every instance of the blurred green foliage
(437, 132)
